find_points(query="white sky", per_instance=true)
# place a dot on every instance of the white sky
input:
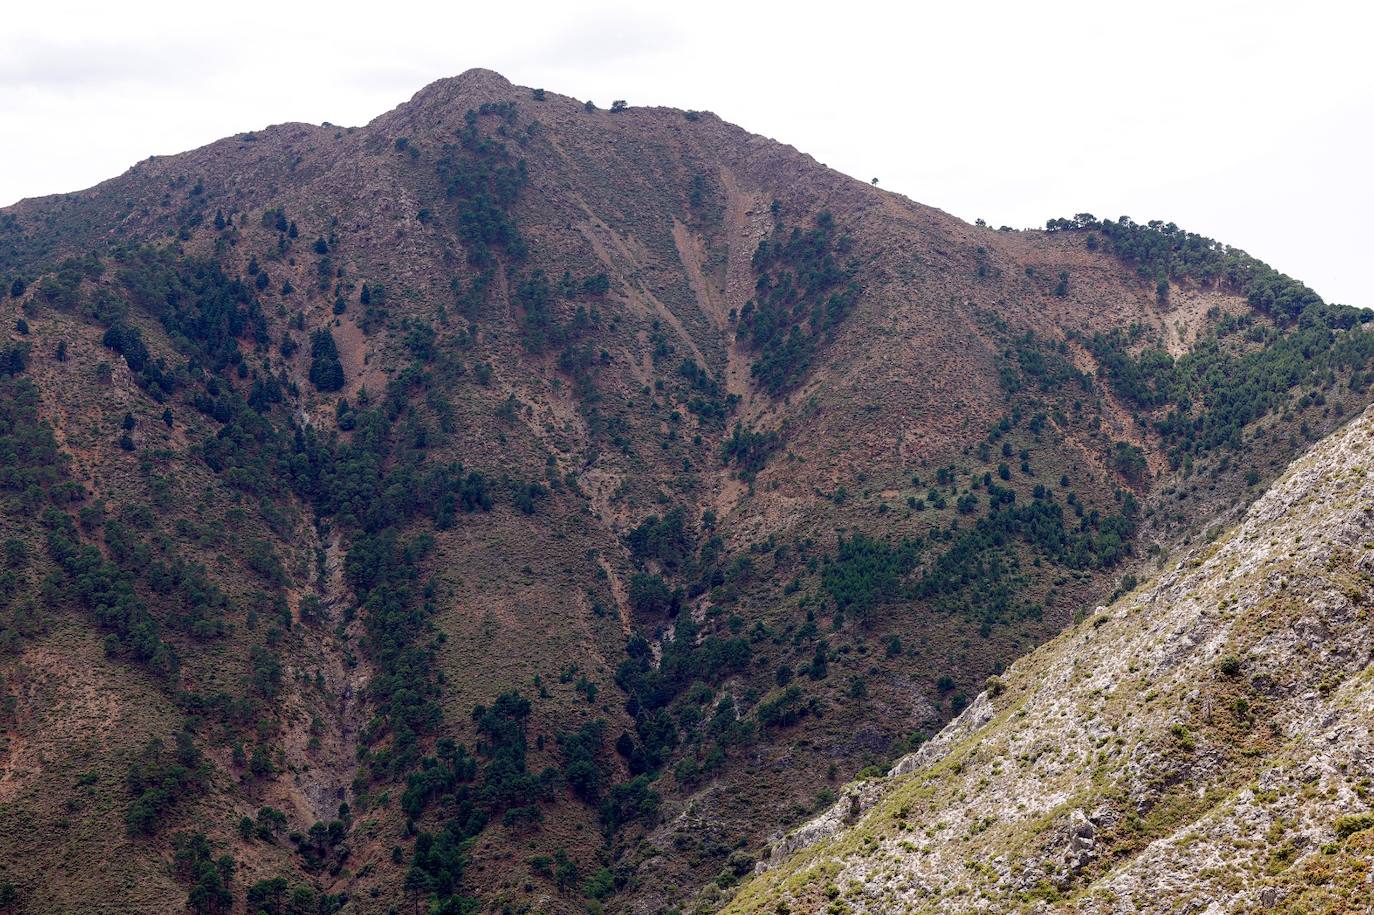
(1250, 122)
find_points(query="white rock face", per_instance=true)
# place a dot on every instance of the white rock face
(1192, 748)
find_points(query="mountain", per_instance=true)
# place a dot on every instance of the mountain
(514, 504)
(1198, 745)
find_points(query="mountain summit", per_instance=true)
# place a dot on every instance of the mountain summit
(520, 504)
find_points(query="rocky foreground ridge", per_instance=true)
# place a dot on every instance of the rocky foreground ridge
(1201, 745)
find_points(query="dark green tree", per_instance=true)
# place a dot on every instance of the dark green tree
(326, 371)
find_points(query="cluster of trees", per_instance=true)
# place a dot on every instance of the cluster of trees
(25, 618)
(1240, 374)
(198, 606)
(62, 290)
(706, 399)
(438, 775)
(801, 296)
(669, 540)
(202, 309)
(786, 707)
(376, 484)
(534, 295)
(192, 298)
(323, 843)
(1146, 379)
(276, 896)
(865, 572)
(650, 595)
(506, 782)
(749, 450)
(30, 460)
(483, 179)
(584, 763)
(160, 779)
(1162, 251)
(194, 862)
(1129, 461)
(1033, 361)
(672, 543)
(108, 593)
(670, 700)
(506, 789)
(14, 358)
(979, 574)
(543, 325)
(210, 877)
(326, 371)
(383, 569)
(276, 219)
(686, 659)
(150, 374)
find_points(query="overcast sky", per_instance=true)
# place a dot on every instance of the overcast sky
(1250, 122)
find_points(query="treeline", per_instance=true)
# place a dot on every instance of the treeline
(1162, 251)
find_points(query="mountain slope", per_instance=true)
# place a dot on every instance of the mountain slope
(1198, 743)
(514, 503)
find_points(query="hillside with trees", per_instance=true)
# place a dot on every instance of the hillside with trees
(517, 505)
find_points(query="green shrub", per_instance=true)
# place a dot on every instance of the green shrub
(1347, 826)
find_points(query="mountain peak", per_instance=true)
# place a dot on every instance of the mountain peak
(450, 95)
(476, 78)
(472, 82)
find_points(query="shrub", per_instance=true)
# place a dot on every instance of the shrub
(600, 885)
(1347, 826)
(649, 594)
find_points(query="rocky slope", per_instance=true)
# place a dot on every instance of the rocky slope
(1200, 745)
(514, 504)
